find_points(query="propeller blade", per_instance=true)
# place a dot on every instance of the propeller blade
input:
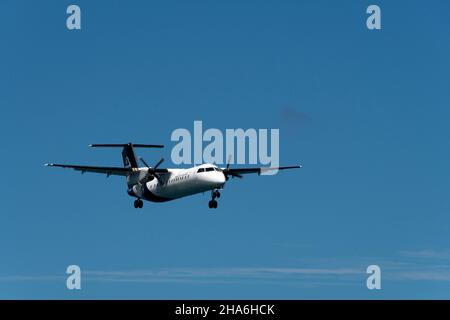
(229, 161)
(238, 175)
(159, 162)
(151, 171)
(143, 161)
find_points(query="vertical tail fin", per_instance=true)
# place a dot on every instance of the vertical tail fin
(129, 157)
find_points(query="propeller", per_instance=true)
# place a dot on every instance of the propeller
(227, 172)
(151, 172)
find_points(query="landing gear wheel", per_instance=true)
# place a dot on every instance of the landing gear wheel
(212, 204)
(138, 203)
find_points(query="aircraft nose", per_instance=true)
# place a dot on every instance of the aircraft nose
(218, 179)
(221, 177)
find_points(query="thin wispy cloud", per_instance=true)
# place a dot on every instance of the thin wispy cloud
(420, 265)
(28, 278)
(421, 272)
(440, 276)
(427, 254)
(208, 275)
(220, 275)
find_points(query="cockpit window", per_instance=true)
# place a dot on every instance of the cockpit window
(217, 169)
(201, 170)
(209, 169)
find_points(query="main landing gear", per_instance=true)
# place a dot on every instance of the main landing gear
(213, 203)
(138, 203)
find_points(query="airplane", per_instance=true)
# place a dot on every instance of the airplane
(160, 185)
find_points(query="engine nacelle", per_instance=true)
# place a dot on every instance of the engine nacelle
(136, 191)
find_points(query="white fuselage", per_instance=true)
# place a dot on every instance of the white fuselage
(176, 183)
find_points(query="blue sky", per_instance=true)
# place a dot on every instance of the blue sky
(366, 112)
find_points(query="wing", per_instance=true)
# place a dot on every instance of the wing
(239, 172)
(109, 171)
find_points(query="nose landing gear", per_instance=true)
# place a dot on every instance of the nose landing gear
(213, 203)
(138, 203)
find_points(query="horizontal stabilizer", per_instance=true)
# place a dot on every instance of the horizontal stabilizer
(121, 145)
